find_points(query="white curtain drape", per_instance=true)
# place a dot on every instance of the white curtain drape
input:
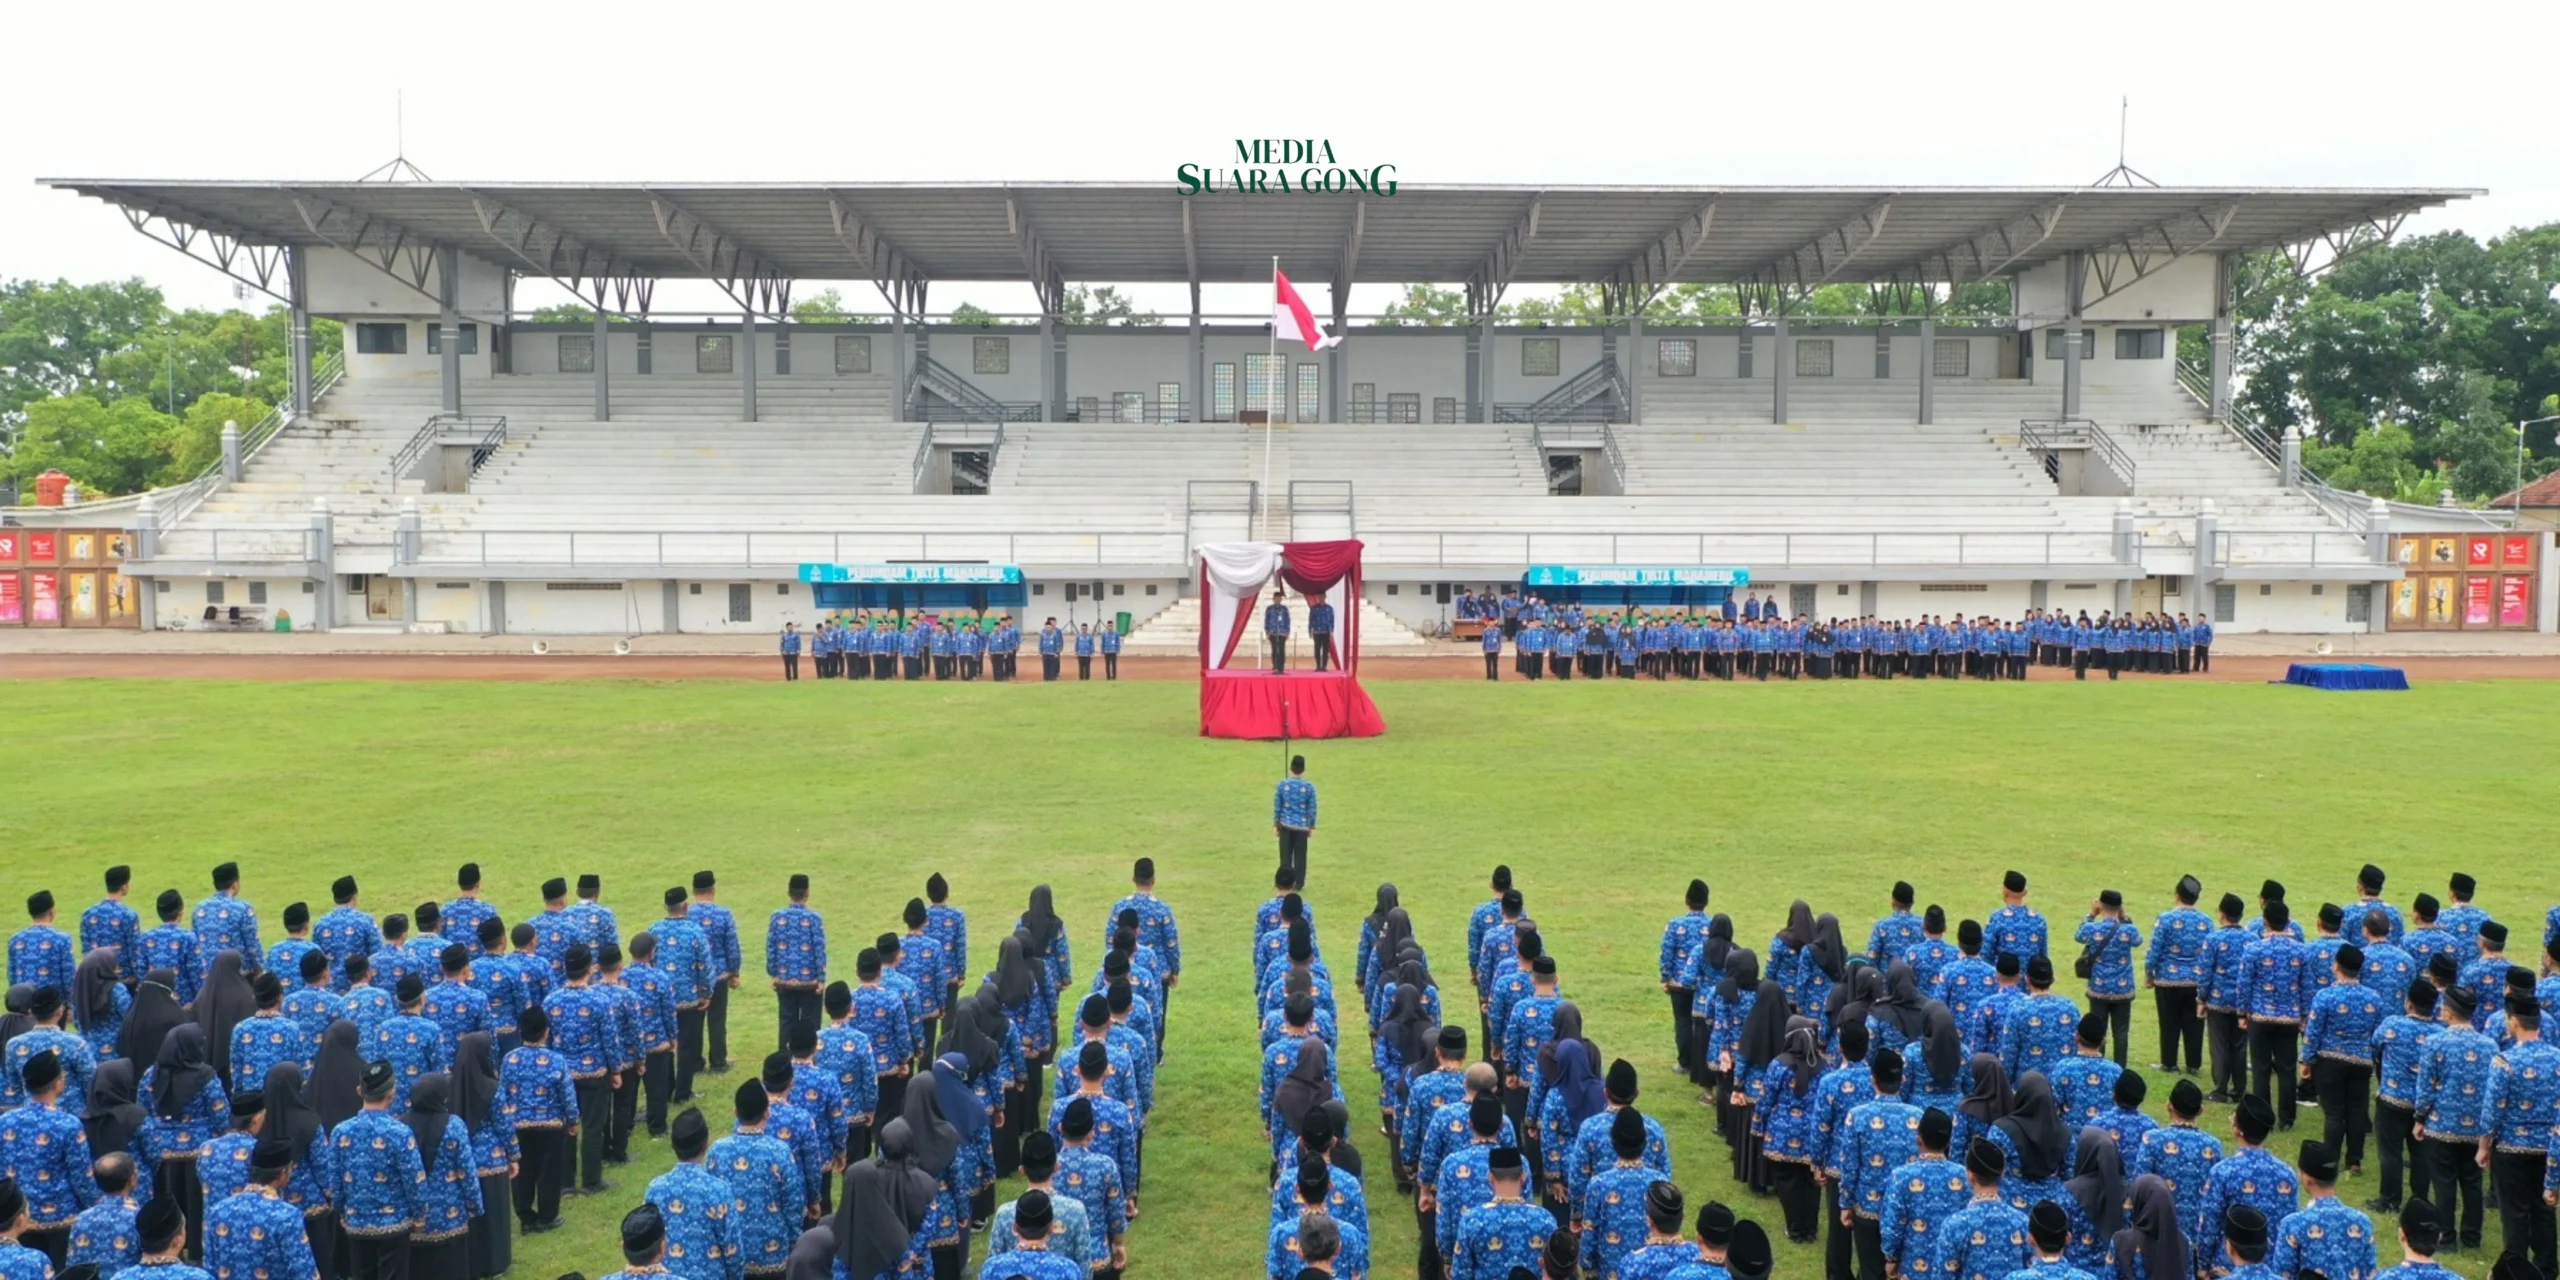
(1235, 574)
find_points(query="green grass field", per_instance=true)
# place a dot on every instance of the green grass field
(1606, 799)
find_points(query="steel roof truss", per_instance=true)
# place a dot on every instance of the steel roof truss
(751, 279)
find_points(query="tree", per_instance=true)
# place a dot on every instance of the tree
(1104, 305)
(574, 313)
(110, 448)
(52, 336)
(1426, 304)
(972, 313)
(195, 445)
(826, 306)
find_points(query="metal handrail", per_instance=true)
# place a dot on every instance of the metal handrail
(649, 549)
(178, 501)
(1568, 398)
(966, 400)
(1838, 549)
(1324, 498)
(2226, 540)
(2347, 507)
(304, 539)
(936, 433)
(2046, 436)
(492, 429)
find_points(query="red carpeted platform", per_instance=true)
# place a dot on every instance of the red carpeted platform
(1258, 704)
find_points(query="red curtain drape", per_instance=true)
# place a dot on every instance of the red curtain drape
(1322, 567)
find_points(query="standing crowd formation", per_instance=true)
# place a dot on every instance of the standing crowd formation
(885, 646)
(376, 1099)
(1753, 640)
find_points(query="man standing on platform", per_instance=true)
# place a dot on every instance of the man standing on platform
(1320, 632)
(1275, 628)
(1293, 813)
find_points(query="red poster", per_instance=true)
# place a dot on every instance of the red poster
(2519, 553)
(45, 589)
(2477, 550)
(8, 546)
(43, 547)
(2515, 601)
(13, 610)
(2475, 600)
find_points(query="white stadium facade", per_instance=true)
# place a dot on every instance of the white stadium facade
(456, 465)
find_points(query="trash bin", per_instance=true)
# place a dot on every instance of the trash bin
(1124, 622)
(284, 620)
(49, 487)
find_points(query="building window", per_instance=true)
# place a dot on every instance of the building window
(990, 355)
(1404, 406)
(2226, 602)
(577, 353)
(742, 603)
(2139, 344)
(1676, 358)
(374, 338)
(853, 354)
(470, 339)
(1813, 357)
(1310, 393)
(1151, 588)
(1364, 402)
(1951, 358)
(1262, 376)
(715, 353)
(1222, 392)
(257, 593)
(1168, 402)
(1128, 406)
(1088, 408)
(1541, 357)
(213, 591)
(1444, 408)
(2053, 344)
(2359, 602)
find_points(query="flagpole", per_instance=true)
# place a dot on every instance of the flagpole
(1273, 358)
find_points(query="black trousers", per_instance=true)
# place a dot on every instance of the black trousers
(716, 1026)
(2453, 1168)
(883, 666)
(2392, 1124)
(1111, 665)
(1799, 1199)
(790, 671)
(1048, 666)
(55, 1244)
(1427, 1263)
(1325, 659)
(2181, 1027)
(542, 1168)
(797, 1007)
(2204, 657)
(1683, 1043)
(2230, 1052)
(1293, 855)
(378, 1257)
(2119, 1023)
(595, 1124)
(1492, 666)
(2079, 664)
(2275, 1057)
(1084, 666)
(1870, 1235)
(1839, 1243)
(2522, 1216)
(688, 1051)
(1279, 652)
(626, 1110)
(657, 1083)
(2341, 1087)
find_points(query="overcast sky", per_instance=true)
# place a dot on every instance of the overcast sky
(2230, 93)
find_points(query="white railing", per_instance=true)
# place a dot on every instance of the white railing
(1502, 548)
(238, 548)
(599, 549)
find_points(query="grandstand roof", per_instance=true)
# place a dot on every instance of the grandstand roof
(1137, 232)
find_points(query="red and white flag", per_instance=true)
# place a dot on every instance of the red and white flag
(1290, 317)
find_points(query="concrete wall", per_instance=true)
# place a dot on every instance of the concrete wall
(1577, 350)
(183, 600)
(2296, 607)
(1102, 362)
(345, 286)
(1897, 600)
(417, 361)
(2180, 292)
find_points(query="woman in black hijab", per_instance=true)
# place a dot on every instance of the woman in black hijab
(1373, 931)
(1705, 977)
(99, 1000)
(185, 1097)
(289, 1117)
(1728, 1006)
(475, 1103)
(337, 1075)
(1988, 1104)
(1407, 1041)
(1017, 996)
(1792, 1176)
(941, 1113)
(155, 1010)
(1305, 1088)
(885, 1199)
(1901, 1016)
(224, 1001)
(2039, 1143)
(1850, 1001)
(15, 1020)
(114, 1117)
(1826, 964)
(1046, 944)
(2151, 1246)
(1566, 1025)
(1763, 1038)
(1934, 1075)
(446, 1254)
(2097, 1192)
(964, 1032)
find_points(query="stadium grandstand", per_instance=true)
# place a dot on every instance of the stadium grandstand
(460, 465)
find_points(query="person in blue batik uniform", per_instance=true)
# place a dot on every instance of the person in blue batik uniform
(684, 953)
(2049, 1234)
(1505, 1230)
(46, 1155)
(454, 1004)
(789, 648)
(2172, 968)
(1894, 936)
(111, 922)
(2337, 1052)
(2277, 984)
(2324, 1235)
(1681, 938)
(377, 1179)
(160, 1227)
(1491, 643)
(881, 1017)
(1875, 1139)
(172, 946)
(539, 1101)
(439, 1244)
(1307, 1232)
(771, 1199)
(795, 959)
(702, 1212)
(2524, 1100)
(644, 1245)
(345, 932)
(2037, 1033)
(2125, 1122)
(366, 1004)
(465, 913)
(2111, 939)
(720, 929)
(2252, 1175)
(1966, 982)
(2368, 901)
(226, 921)
(2461, 918)
(2015, 929)
(2084, 1082)
(1920, 1195)
(587, 1034)
(2422, 1231)
(1612, 1208)
(2093, 1206)
(40, 955)
(555, 930)
(46, 1034)
(1664, 1250)
(590, 921)
(105, 1235)
(2486, 979)
(267, 1038)
(222, 1165)
(1987, 1238)
(2178, 1153)
(185, 1106)
(284, 959)
(1026, 1255)
(414, 1046)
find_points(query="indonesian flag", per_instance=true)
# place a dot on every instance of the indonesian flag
(1290, 317)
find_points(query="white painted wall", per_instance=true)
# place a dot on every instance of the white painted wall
(186, 598)
(952, 348)
(2180, 292)
(461, 605)
(1897, 600)
(1103, 362)
(2294, 607)
(1576, 350)
(345, 286)
(417, 361)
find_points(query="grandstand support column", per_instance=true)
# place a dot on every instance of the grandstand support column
(747, 365)
(2377, 534)
(324, 560)
(1049, 389)
(604, 367)
(2128, 548)
(297, 274)
(1781, 364)
(2292, 466)
(1867, 599)
(449, 323)
(670, 615)
(146, 548)
(2075, 272)
(1479, 346)
(2220, 354)
(2208, 531)
(1928, 363)
(1633, 370)
(1196, 398)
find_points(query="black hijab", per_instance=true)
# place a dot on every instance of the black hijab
(180, 1072)
(932, 1136)
(1413, 969)
(1013, 970)
(958, 1102)
(1990, 1100)
(885, 1200)
(964, 1033)
(93, 988)
(1395, 933)
(813, 1253)
(14, 1018)
(337, 1075)
(2151, 1231)
(1578, 1082)
(993, 1022)
(1902, 1006)
(1718, 945)
(155, 1011)
(1941, 1045)
(475, 1080)
(1803, 1052)
(1830, 954)
(1764, 1033)
(1741, 973)
(2097, 1180)
(1041, 921)
(430, 1113)
(1305, 1088)
(289, 1113)
(221, 1004)
(1798, 933)
(115, 1112)
(1386, 902)
(1854, 997)
(2034, 1125)
(1407, 1025)
(1567, 1026)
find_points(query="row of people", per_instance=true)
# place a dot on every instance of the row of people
(1668, 645)
(944, 648)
